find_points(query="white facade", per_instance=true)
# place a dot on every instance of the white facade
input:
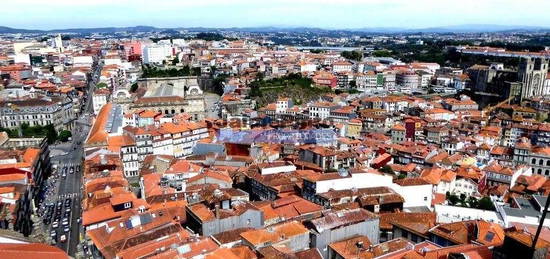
(98, 101)
(357, 180)
(465, 186)
(450, 214)
(415, 195)
(156, 53)
(83, 61)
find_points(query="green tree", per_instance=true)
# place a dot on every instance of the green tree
(51, 133)
(175, 61)
(485, 203)
(353, 84)
(452, 198)
(12, 133)
(64, 135)
(218, 84)
(260, 76)
(353, 55)
(101, 85)
(209, 36)
(381, 53)
(134, 87)
(386, 170)
(472, 202)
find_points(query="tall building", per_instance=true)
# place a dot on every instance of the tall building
(58, 43)
(156, 53)
(532, 73)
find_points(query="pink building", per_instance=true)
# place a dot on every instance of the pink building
(132, 50)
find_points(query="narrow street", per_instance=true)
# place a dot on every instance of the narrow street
(65, 200)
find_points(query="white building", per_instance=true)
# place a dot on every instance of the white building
(283, 104)
(155, 54)
(342, 66)
(321, 110)
(83, 61)
(99, 99)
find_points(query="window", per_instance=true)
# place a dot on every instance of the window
(533, 161)
(127, 205)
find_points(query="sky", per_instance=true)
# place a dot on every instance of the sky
(330, 14)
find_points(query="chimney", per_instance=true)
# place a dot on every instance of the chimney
(217, 211)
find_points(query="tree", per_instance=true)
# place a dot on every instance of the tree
(381, 53)
(218, 84)
(64, 135)
(353, 55)
(386, 170)
(453, 199)
(209, 36)
(101, 85)
(12, 133)
(472, 202)
(260, 76)
(134, 87)
(51, 133)
(485, 203)
(352, 84)
(175, 61)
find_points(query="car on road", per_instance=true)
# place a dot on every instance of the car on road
(65, 221)
(55, 224)
(66, 229)
(68, 209)
(68, 202)
(63, 238)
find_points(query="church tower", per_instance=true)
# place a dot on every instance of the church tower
(532, 73)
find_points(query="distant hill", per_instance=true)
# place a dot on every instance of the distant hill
(467, 28)
(4, 29)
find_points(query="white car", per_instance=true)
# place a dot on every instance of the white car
(55, 224)
(63, 238)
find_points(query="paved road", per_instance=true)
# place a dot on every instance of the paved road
(70, 186)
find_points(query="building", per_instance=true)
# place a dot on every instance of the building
(37, 110)
(336, 226)
(156, 54)
(171, 95)
(291, 234)
(222, 216)
(407, 79)
(100, 98)
(532, 74)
